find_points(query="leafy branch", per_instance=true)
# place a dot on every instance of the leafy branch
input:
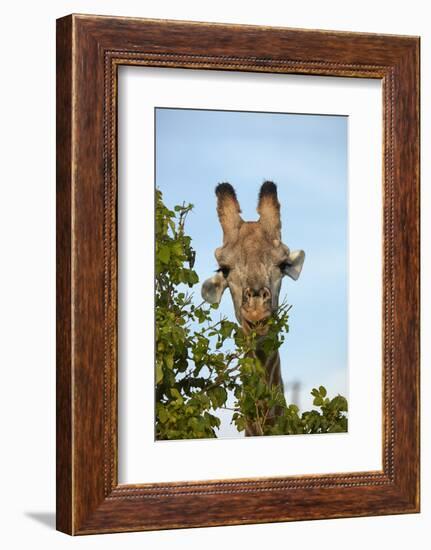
(200, 362)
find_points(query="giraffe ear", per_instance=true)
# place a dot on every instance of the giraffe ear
(213, 288)
(294, 264)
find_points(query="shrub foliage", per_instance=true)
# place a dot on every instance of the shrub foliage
(200, 361)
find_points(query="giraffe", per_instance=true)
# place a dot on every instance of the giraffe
(252, 263)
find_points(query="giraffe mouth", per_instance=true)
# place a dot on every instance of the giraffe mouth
(260, 327)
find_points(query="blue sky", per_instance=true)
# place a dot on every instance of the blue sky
(306, 155)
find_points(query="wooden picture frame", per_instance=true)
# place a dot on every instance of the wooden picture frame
(89, 51)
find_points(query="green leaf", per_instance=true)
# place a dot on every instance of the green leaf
(175, 393)
(163, 254)
(169, 361)
(218, 396)
(322, 391)
(159, 373)
(163, 415)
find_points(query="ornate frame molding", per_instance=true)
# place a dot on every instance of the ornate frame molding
(90, 49)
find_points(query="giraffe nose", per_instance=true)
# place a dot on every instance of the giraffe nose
(263, 293)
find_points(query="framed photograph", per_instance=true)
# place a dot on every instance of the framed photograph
(237, 274)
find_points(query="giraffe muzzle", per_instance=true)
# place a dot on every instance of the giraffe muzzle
(256, 309)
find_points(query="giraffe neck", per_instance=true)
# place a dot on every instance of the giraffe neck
(272, 366)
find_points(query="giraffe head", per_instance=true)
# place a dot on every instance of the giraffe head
(252, 260)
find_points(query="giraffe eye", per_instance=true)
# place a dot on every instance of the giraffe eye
(225, 270)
